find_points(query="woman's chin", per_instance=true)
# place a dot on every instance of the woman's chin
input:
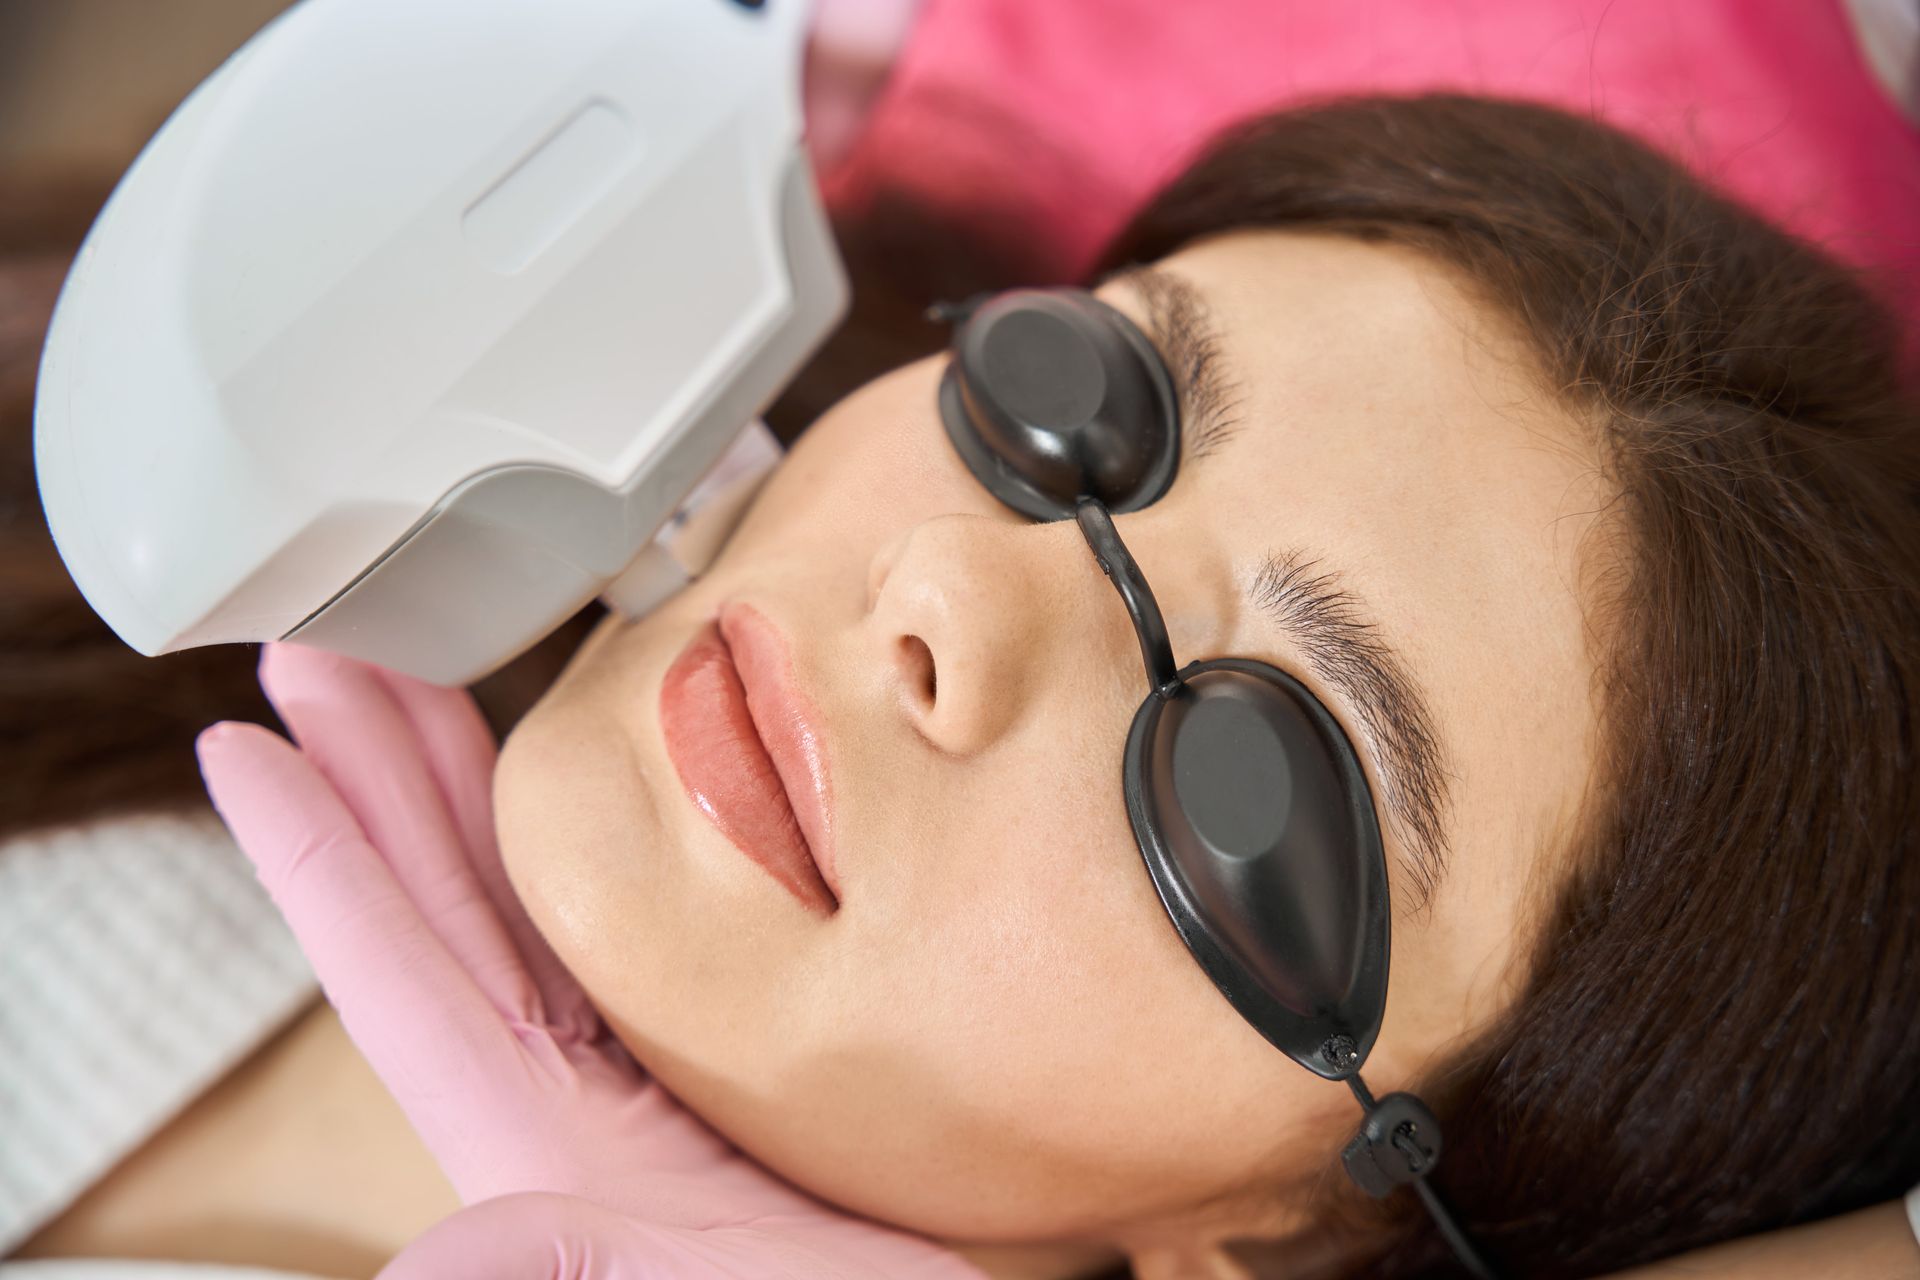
(570, 810)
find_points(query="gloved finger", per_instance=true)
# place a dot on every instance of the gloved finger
(461, 753)
(349, 725)
(428, 1031)
(544, 1235)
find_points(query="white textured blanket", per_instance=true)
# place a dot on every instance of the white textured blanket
(140, 961)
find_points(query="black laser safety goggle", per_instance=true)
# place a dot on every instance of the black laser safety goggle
(1247, 800)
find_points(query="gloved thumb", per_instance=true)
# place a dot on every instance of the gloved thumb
(545, 1235)
(536, 1235)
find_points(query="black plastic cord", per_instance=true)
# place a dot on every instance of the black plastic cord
(1117, 563)
(1443, 1216)
(1456, 1234)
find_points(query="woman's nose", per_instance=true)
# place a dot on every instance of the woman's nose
(976, 615)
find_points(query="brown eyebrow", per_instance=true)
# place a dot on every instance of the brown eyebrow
(1312, 606)
(1346, 650)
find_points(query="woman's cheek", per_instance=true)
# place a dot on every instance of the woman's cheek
(875, 460)
(565, 797)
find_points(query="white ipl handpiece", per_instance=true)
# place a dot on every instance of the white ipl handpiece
(419, 325)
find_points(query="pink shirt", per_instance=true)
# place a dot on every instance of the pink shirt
(1066, 115)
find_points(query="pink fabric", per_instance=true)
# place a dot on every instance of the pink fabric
(1060, 117)
(851, 46)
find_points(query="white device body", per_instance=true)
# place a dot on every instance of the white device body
(420, 323)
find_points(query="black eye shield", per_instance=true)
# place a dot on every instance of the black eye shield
(1247, 800)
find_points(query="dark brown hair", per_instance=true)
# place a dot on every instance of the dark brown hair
(1717, 1036)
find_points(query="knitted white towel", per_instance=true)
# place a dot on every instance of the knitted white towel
(116, 1269)
(140, 961)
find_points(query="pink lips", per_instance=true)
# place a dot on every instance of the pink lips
(744, 741)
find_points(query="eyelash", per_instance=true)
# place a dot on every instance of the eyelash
(1209, 402)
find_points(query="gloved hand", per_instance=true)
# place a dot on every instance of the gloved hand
(375, 839)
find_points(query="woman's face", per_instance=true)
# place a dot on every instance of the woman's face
(998, 1035)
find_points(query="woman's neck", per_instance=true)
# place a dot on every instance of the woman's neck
(1046, 1261)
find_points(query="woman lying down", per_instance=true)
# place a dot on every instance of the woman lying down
(1550, 526)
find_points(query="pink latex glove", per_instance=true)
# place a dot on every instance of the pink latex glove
(375, 839)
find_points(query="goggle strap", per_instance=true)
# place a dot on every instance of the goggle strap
(1117, 563)
(1398, 1143)
(956, 314)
